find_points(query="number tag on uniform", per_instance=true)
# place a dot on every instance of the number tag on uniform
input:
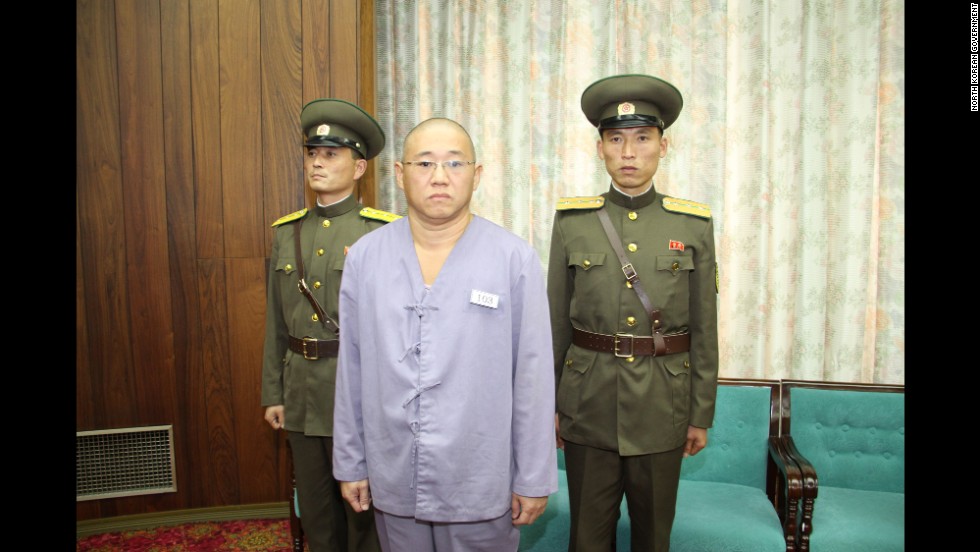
(484, 299)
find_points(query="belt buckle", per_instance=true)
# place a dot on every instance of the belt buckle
(616, 342)
(310, 341)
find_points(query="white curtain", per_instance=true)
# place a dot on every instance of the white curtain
(792, 132)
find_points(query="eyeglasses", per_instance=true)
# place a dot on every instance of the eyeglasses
(454, 166)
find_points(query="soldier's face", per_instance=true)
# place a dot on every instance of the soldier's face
(632, 156)
(332, 172)
(438, 194)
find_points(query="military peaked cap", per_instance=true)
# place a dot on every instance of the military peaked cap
(333, 122)
(624, 101)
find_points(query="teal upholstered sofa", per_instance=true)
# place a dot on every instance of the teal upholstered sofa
(739, 494)
(849, 441)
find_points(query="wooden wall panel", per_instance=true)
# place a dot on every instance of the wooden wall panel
(344, 50)
(316, 50)
(188, 147)
(218, 399)
(100, 216)
(190, 435)
(367, 186)
(258, 470)
(241, 127)
(282, 99)
(206, 128)
(85, 402)
(145, 209)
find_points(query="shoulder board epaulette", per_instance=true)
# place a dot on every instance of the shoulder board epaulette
(378, 214)
(583, 202)
(687, 206)
(290, 217)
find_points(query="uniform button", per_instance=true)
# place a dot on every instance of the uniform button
(630, 359)
(632, 215)
(568, 362)
(289, 267)
(315, 317)
(319, 252)
(629, 285)
(632, 247)
(630, 321)
(316, 285)
(675, 266)
(326, 224)
(586, 262)
(687, 364)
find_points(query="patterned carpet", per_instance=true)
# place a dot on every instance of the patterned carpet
(257, 535)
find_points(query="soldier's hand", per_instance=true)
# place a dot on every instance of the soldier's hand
(697, 439)
(276, 416)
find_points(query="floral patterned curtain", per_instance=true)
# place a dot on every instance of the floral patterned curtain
(792, 132)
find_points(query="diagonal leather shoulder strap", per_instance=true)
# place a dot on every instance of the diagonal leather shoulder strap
(631, 276)
(327, 322)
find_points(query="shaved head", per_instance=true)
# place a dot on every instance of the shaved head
(411, 147)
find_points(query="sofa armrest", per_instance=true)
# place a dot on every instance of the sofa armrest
(809, 491)
(784, 487)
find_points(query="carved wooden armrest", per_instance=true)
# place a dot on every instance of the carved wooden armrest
(809, 491)
(784, 486)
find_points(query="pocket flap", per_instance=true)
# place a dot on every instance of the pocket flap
(586, 260)
(675, 263)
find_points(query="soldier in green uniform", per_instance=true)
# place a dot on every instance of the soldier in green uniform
(633, 313)
(300, 360)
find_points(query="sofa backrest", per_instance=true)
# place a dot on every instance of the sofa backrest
(853, 434)
(737, 448)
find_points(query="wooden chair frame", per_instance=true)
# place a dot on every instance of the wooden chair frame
(784, 481)
(808, 472)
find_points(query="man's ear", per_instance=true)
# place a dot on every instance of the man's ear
(360, 167)
(399, 174)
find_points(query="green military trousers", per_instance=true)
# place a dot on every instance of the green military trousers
(597, 481)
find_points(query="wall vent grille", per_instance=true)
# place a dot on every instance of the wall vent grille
(124, 462)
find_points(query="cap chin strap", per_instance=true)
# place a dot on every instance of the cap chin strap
(632, 120)
(333, 140)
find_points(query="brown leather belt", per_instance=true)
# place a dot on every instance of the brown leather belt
(627, 345)
(312, 349)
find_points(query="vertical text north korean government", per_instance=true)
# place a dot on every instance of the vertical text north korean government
(974, 62)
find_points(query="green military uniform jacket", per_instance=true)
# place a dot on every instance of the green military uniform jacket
(641, 404)
(306, 387)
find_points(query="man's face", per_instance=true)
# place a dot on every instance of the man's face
(436, 194)
(332, 172)
(632, 156)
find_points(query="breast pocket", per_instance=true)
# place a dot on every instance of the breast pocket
(673, 278)
(285, 269)
(286, 265)
(590, 272)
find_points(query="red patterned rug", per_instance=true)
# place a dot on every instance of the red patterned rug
(265, 535)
